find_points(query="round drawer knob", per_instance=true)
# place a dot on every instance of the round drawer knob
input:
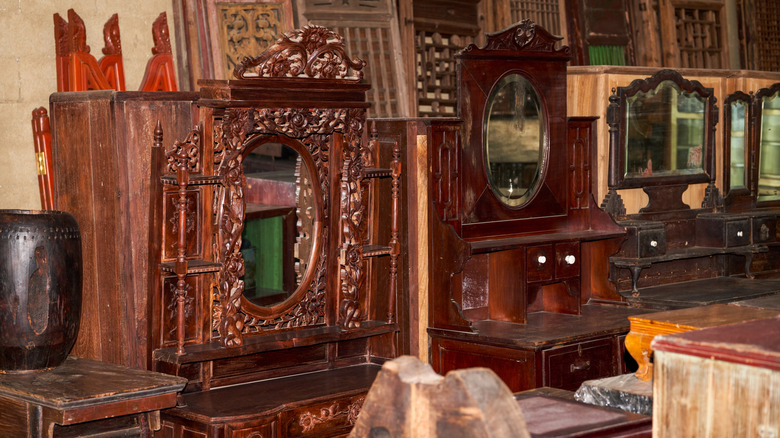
(541, 259)
(570, 259)
(653, 243)
(739, 233)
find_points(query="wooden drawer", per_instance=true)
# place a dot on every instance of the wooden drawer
(643, 239)
(252, 429)
(515, 367)
(567, 260)
(764, 229)
(722, 230)
(540, 263)
(326, 418)
(567, 367)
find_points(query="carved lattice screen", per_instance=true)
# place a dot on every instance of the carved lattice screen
(371, 33)
(700, 33)
(760, 34)
(437, 72)
(545, 13)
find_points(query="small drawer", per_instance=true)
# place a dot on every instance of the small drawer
(323, 418)
(764, 229)
(567, 260)
(737, 233)
(540, 261)
(252, 429)
(567, 367)
(722, 230)
(643, 239)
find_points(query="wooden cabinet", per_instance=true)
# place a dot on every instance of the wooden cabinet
(294, 357)
(102, 151)
(518, 249)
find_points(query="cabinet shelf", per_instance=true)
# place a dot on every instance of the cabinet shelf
(193, 267)
(375, 250)
(194, 180)
(377, 172)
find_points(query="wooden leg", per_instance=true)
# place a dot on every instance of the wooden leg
(638, 345)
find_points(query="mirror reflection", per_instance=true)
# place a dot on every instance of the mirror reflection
(665, 132)
(514, 139)
(737, 175)
(278, 232)
(769, 166)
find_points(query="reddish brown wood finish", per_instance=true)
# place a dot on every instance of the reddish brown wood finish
(510, 287)
(110, 398)
(111, 63)
(102, 143)
(42, 140)
(314, 351)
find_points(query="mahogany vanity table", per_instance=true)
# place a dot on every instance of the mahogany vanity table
(518, 248)
(83, 397)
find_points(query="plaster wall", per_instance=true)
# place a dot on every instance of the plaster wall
(28, 75)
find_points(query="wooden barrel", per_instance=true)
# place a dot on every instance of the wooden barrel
(40, 288)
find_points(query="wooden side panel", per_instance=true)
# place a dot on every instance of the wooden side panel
(13, 417)
(102, 151)
(694, 396)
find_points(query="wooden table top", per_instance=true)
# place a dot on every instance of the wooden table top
(705, 316)
(82, 382)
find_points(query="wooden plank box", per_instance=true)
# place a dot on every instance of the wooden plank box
(718, 382)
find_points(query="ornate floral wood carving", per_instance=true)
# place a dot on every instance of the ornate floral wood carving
(77, 33)
(526, 36)
(246, 29)
(308, 420)
(61, 40)
(312, 51)
(241, 128)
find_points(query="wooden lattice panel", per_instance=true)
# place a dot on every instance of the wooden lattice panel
(545, 13)
(700, 36)
(760, 34)
(370, 31)
(246, 30)
(437, 72)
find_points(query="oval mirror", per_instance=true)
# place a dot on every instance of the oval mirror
(281, 223)
(514, 140)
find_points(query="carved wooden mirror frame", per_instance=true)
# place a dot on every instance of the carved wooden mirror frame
(306, 91)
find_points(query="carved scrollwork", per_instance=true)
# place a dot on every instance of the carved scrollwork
(241, 127)
(312, 51)
(526, 36)
(161, 35)
(352, 211)
(184, 154)
(308, 420)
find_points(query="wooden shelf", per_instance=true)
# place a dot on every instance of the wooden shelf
(194, 180)
(376, 172)
(277, 340)
(502, 244)
(193, 267)
(375, 250)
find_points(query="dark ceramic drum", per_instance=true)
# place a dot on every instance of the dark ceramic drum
(40, 288)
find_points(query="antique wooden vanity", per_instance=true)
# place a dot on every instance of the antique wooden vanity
(518, 248)
(296, 355)
(662, 139)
